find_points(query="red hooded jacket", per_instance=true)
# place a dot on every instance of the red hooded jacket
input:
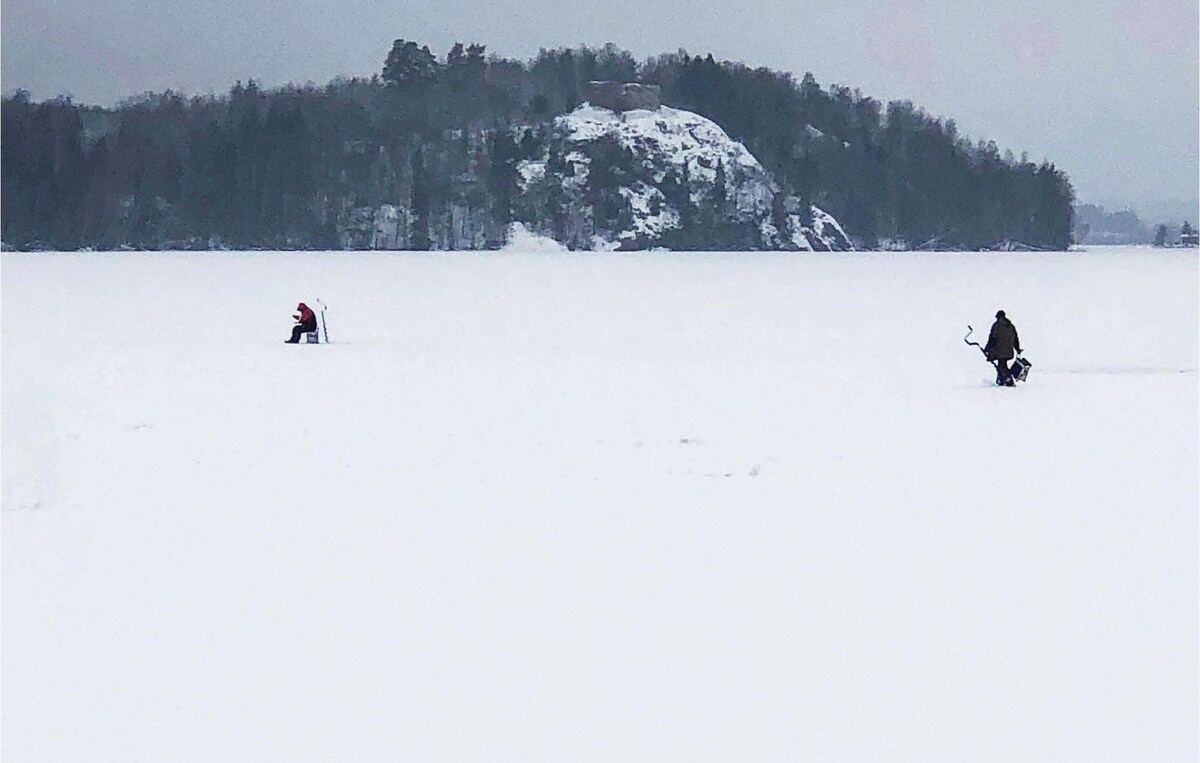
(308, 319)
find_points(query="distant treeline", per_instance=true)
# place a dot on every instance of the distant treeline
(440, 139)
(1096, 225)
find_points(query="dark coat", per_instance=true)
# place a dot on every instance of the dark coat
(1002, 340)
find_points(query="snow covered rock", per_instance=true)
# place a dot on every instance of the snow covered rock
(665, 177)
(519, 239)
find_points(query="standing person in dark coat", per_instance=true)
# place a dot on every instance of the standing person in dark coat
(306, 321)
(1002, 341)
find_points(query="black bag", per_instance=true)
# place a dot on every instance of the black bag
(1020, 368)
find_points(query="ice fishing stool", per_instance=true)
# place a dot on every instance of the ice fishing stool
(312, 337)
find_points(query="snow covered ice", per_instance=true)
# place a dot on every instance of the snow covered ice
(556, 506)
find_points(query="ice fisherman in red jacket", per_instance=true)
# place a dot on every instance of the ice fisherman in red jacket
(306, 320)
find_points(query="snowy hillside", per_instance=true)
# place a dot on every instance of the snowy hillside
(662, 165)
(564, 506)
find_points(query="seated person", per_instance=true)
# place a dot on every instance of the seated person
(306, 321)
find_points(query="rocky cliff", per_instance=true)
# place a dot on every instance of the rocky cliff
(664, 177)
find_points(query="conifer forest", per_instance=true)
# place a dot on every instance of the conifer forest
(436, 140)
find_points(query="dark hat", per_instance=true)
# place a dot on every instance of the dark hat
(301, 305)
(999, 313)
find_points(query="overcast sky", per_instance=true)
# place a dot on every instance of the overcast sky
(1106, 89)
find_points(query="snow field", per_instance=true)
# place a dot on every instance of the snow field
(599, 506)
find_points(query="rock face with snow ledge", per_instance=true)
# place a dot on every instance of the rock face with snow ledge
(664, 177)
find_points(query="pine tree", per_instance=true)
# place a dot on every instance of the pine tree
(421, 202)
(407, 64)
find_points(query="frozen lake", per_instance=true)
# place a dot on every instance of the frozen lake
(599, 507)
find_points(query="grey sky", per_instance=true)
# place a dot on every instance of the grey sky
(1107, 89)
